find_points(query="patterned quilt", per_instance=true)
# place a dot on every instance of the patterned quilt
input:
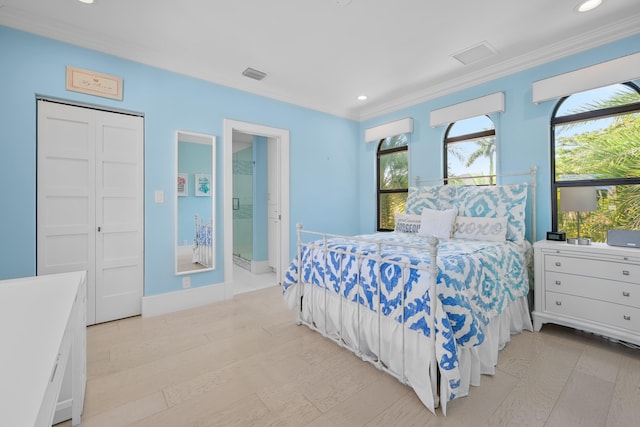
(476, 281)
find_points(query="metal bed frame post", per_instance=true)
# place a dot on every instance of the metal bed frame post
(300, 283)
(379, 312)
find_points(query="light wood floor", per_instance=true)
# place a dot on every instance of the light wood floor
(244, 362)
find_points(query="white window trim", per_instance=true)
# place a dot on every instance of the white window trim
(493, 103)
(621, 70)
(386, 130)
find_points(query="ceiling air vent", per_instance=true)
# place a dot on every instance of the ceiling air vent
(475, 53)
(254, 74)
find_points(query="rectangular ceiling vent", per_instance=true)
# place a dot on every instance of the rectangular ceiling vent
(254, 74)
(475, 53)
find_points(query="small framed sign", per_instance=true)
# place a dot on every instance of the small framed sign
(203, 184)
(93, 83)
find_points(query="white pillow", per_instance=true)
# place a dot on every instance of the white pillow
(406, 223)
(481, 228)
(437, 223)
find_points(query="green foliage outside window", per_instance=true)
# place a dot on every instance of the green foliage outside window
(393, 179)
(601, 152)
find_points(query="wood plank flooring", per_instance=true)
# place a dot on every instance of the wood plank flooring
(244, 362)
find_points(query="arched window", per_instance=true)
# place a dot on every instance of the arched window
(470, 152)
(392, 179)
(595, 148)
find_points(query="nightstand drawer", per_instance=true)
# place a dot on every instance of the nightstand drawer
(594, 288)
(595, 268)
(596, 311)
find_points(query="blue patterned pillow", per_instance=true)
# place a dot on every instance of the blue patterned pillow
(438, 197)
(495, 202)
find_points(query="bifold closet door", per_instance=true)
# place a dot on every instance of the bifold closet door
(90, 204)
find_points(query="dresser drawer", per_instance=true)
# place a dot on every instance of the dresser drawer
(596, 311)
(591, 287)
(590, 267)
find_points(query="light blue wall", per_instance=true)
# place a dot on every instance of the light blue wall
(522, 131)
(31, 65)
(326, 152)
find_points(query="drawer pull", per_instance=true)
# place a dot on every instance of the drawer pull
(558, 263)
(558, 282)
(626, 317)
(626, 293)
(625, 272)
(558, 302)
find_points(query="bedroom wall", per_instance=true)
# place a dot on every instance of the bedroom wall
(323, 150)
(522, 131)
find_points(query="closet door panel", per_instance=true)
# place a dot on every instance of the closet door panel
(66, 196)
(119, 244)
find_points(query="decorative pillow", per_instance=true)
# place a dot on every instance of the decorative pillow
(406, 223)
(431, 197)
(479, 228)
(496, 202)
(438, 223)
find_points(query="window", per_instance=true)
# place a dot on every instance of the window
(393, 179)
(470, 152)
(595, 143)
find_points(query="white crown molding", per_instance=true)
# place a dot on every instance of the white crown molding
(395, 101)
(628, 27)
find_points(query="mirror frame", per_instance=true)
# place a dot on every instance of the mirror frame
(198, 138)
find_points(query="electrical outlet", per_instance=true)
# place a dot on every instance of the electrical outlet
(186, 282)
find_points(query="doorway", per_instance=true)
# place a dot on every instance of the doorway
(255, 204)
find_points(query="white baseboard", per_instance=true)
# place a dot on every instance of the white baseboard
(63, 411)
(156, 305)
(259, 267)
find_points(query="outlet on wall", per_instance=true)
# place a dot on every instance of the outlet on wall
(186, 282)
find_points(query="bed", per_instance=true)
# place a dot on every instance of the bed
(433, 302)
(202, 242)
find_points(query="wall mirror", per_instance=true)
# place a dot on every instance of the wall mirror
(195, 233)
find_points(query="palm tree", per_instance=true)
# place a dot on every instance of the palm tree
(486, 148)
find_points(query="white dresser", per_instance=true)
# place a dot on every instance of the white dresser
(42, 327)
(594, 288)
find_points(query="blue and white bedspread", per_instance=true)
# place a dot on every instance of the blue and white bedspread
(476, 281)
(203, 235)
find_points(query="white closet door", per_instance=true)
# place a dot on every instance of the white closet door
(90, 204)
(119, 215)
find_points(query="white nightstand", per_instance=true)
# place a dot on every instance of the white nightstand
(594, 288)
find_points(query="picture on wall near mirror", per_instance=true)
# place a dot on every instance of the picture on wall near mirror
(195, 234)
(203, 184)
(183, 187)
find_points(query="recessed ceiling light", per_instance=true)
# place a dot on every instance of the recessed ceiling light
(86, 1)
(362, 97)
(587, 5)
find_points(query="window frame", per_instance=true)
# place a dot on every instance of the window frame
(379, 191)
(468, 137)
(580, 117)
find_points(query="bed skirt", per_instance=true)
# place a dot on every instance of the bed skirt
(380, 341)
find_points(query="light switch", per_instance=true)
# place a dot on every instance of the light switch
(159, 196)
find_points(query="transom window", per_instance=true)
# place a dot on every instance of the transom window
(470, 152)
(595, 145)
(392, 179)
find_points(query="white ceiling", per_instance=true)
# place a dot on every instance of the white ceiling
(322, 54)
